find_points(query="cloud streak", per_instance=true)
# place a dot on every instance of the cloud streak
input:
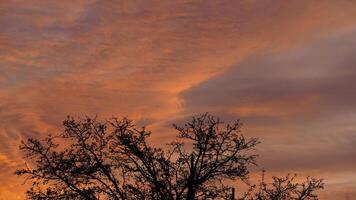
(159, 62)
(300, 103)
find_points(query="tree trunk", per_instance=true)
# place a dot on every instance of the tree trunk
(191, 190)
(233, 194)
(191, 194)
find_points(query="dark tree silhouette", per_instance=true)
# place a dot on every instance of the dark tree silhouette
(113, 160)
(284, 188)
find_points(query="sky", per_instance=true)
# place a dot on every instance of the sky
(285, 68)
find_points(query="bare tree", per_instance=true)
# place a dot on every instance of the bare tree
(284, 188)
(113, 160)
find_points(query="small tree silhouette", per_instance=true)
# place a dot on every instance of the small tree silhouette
(113, 160)
(284, 188)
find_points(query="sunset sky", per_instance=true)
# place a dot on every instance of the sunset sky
(285, 68)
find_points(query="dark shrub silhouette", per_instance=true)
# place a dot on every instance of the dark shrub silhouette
(113, 160)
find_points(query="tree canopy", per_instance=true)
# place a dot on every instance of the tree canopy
(113, 160)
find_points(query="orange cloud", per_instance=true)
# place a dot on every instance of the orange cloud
(138, 58)
(284, 107)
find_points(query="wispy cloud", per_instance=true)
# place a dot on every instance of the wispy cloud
(286, 68)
